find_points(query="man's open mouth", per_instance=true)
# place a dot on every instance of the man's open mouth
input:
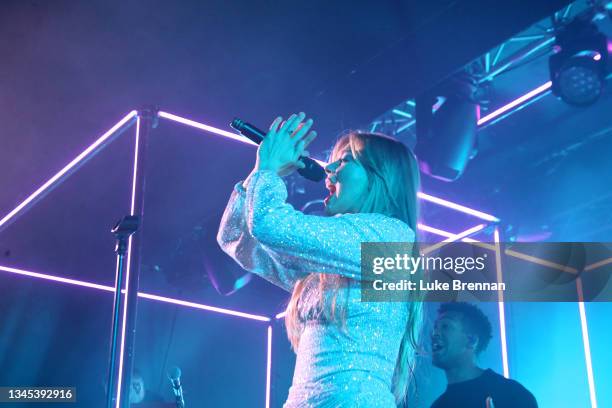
(436, 346)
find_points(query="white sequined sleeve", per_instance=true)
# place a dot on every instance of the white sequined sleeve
(313, 244)
(236, 240)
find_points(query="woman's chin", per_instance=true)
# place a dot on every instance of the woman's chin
(329, 207)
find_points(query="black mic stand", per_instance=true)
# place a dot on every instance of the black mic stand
(127, 226)
(124, 308)
(178, 395)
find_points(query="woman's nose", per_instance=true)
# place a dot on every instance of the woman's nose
(331, 167)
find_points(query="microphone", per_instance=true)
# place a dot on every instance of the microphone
(175, 379)
(313, 170)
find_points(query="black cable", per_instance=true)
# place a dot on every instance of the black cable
(162, 376)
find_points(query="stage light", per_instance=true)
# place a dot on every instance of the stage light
(579, 81)
(446, 117)
(578, 68)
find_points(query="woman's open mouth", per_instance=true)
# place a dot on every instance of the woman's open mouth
(332, 191)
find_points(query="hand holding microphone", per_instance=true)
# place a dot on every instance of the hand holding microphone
(282, 149)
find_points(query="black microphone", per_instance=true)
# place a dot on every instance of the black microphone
(313, 170)
(175, 379)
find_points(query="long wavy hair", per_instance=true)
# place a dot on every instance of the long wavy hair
(393, 181)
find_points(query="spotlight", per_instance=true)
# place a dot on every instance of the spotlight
(579, 66)
(446, 127)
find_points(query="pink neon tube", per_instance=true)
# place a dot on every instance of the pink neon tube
(57, 176)
(537, 91)
(500, 304)
(143, 295)
(269, 367)
(234, 136)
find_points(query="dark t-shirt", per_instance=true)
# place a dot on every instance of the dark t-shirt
(473, 393)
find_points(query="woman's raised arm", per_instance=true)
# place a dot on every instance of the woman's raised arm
(236, 240)
(309, 243)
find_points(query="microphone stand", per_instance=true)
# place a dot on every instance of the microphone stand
(120, 378)
(178, 397)
(177, 387)
(122, 231)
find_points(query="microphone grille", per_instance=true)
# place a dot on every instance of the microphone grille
(175, 373)
(237, 124)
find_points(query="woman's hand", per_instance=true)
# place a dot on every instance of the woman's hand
(284, 144)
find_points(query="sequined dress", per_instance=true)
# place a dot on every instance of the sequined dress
(267, 236)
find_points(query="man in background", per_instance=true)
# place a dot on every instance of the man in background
(461, 332)
(138, 393)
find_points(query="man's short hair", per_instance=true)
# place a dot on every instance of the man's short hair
(473, 319)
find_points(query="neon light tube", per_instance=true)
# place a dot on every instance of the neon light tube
(540, 261)
(406, 126)
(458, 207)
(234, 136)
(402, 113)
(143, 295)
(207, 128)
(541, 89)
(442, 233)
(269, 367)
(49, 183)
(211, 129)
(200, 306)
(57, 279)
(500, 304)
(453, 238)
(433, 230)
(587, 354)
(598, 264)
(465, 233)
(128, 264)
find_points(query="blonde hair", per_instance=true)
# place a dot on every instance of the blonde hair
(393, 181)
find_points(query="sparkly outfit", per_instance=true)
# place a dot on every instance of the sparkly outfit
(267, 236)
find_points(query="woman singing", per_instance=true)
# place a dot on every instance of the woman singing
(349, 353)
